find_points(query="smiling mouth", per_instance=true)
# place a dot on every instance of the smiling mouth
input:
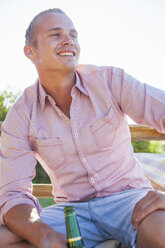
(67, 54)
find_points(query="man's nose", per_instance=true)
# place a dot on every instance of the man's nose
(68, 41)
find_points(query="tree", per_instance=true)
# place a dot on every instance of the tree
(148, 146)
(7, 98)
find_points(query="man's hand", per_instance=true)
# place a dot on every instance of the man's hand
(53, 240)
(154, 200)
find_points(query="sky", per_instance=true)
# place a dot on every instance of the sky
(129, 34)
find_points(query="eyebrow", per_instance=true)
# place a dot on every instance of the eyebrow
(58, 29)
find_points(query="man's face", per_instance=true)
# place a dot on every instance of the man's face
(57, 45)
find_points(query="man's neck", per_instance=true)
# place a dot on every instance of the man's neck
(59, 86)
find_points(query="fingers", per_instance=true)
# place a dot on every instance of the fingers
(153, 201)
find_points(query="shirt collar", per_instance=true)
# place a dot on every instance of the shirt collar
(43, 95)
(79, 85)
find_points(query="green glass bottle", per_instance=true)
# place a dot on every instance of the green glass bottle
(72, 228)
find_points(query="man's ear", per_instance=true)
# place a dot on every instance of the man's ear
(28, 51)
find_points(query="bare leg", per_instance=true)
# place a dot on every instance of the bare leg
(10, 240)
(151, 231)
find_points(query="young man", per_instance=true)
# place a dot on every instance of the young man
(73, 121)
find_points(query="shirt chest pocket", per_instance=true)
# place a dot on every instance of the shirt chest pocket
(104, 130)
(50, 151)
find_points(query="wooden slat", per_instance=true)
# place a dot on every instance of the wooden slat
(145, 133)
(42, 190)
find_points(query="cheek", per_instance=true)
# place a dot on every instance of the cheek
(45, 54)
(40, 61)
(43, 57)
(78, 47)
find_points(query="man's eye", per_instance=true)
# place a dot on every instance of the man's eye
(55, 34)
(74, 36)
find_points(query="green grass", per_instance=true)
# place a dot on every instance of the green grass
(45, 202)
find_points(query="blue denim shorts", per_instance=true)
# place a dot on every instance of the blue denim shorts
(100, 219)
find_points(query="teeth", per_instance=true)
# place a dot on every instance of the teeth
(66, 54)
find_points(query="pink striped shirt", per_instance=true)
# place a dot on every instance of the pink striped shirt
(89, 155)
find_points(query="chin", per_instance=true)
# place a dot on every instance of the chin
(70, 66)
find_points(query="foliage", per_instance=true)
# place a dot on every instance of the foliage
(148, 146)
(41, 175)
(7, 98)
(45, 202)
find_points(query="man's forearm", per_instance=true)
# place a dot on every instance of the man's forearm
(25, 221)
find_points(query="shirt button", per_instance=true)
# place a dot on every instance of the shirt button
(84, 160)
(76, 134)
(92, 179)
(98, 194)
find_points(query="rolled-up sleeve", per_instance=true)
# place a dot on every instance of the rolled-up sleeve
(17, 164)
(141, 102)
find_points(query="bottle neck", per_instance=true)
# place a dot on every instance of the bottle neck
(73, 232)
